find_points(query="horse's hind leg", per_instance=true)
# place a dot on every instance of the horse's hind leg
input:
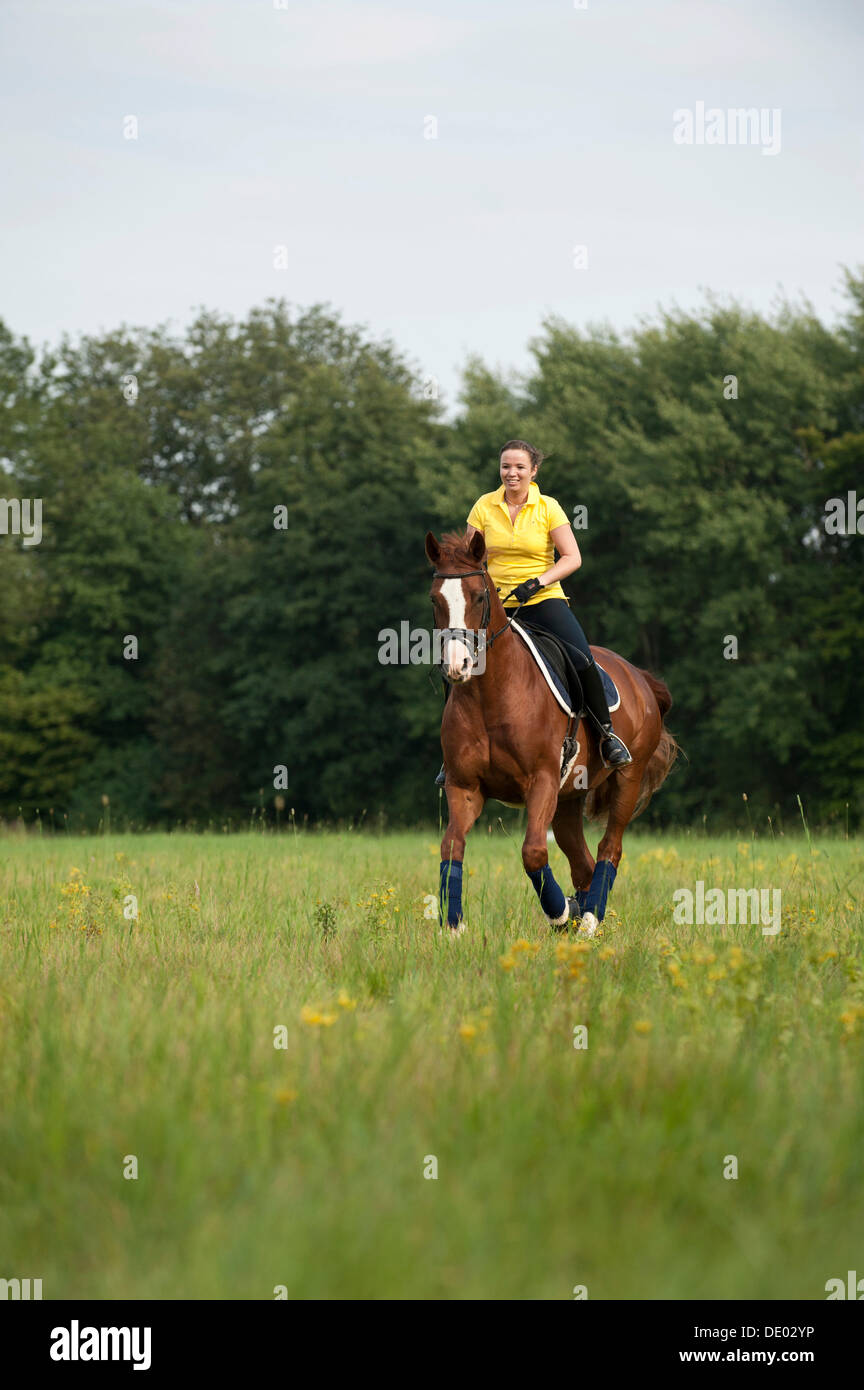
(570, 837)
(625, 786)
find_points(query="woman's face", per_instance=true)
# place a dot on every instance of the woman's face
(517, 470)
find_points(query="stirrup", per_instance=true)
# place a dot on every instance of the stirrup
(612, 747)
(569, 750)
(440, 779)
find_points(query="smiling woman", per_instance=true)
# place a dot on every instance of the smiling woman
(521, 527)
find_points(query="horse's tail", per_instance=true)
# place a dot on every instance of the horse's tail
(664, 755)
(598, 802)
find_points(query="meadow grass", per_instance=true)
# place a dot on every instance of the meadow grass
(303, 1165)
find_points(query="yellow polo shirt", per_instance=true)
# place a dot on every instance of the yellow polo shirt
(524, 550)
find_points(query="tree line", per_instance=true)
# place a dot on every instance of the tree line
(232, 516)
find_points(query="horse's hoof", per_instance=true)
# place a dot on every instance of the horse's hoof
(562, 923)
(450, 932)
(588, 926)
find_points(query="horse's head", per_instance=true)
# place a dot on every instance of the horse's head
(460, 597)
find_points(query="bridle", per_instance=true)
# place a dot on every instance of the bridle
(468, 632)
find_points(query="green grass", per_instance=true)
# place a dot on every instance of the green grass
(303, 1166)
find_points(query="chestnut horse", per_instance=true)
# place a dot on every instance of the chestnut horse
(502, 733)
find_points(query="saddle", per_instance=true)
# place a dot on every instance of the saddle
(561, 673)
(559, 668)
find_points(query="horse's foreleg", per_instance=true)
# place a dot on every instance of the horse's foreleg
(540, 805)
(465, 806)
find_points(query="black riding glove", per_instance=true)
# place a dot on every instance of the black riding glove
(527, 590)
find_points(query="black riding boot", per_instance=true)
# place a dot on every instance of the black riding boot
(613, 750)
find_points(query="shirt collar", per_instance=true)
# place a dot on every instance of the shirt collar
(533, 495)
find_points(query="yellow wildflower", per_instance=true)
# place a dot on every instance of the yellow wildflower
(850, 1017)
(567, 950)
(315, 1018)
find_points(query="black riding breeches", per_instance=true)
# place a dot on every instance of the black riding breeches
(556, 616)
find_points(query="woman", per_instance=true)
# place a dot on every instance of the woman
(520, 527)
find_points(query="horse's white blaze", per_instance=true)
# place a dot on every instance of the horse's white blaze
(455, 653)
(454, 598)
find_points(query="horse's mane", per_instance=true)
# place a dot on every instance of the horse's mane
(454, 551)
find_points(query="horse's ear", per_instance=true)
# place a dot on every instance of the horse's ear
(433, 549)
(477, 545)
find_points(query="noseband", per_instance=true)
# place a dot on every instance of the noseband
(487, 611)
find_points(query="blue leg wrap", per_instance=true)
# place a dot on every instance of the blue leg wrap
(593, 899)
(552, 899)
(450, 893)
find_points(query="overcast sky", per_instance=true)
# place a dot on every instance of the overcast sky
(305, 127)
